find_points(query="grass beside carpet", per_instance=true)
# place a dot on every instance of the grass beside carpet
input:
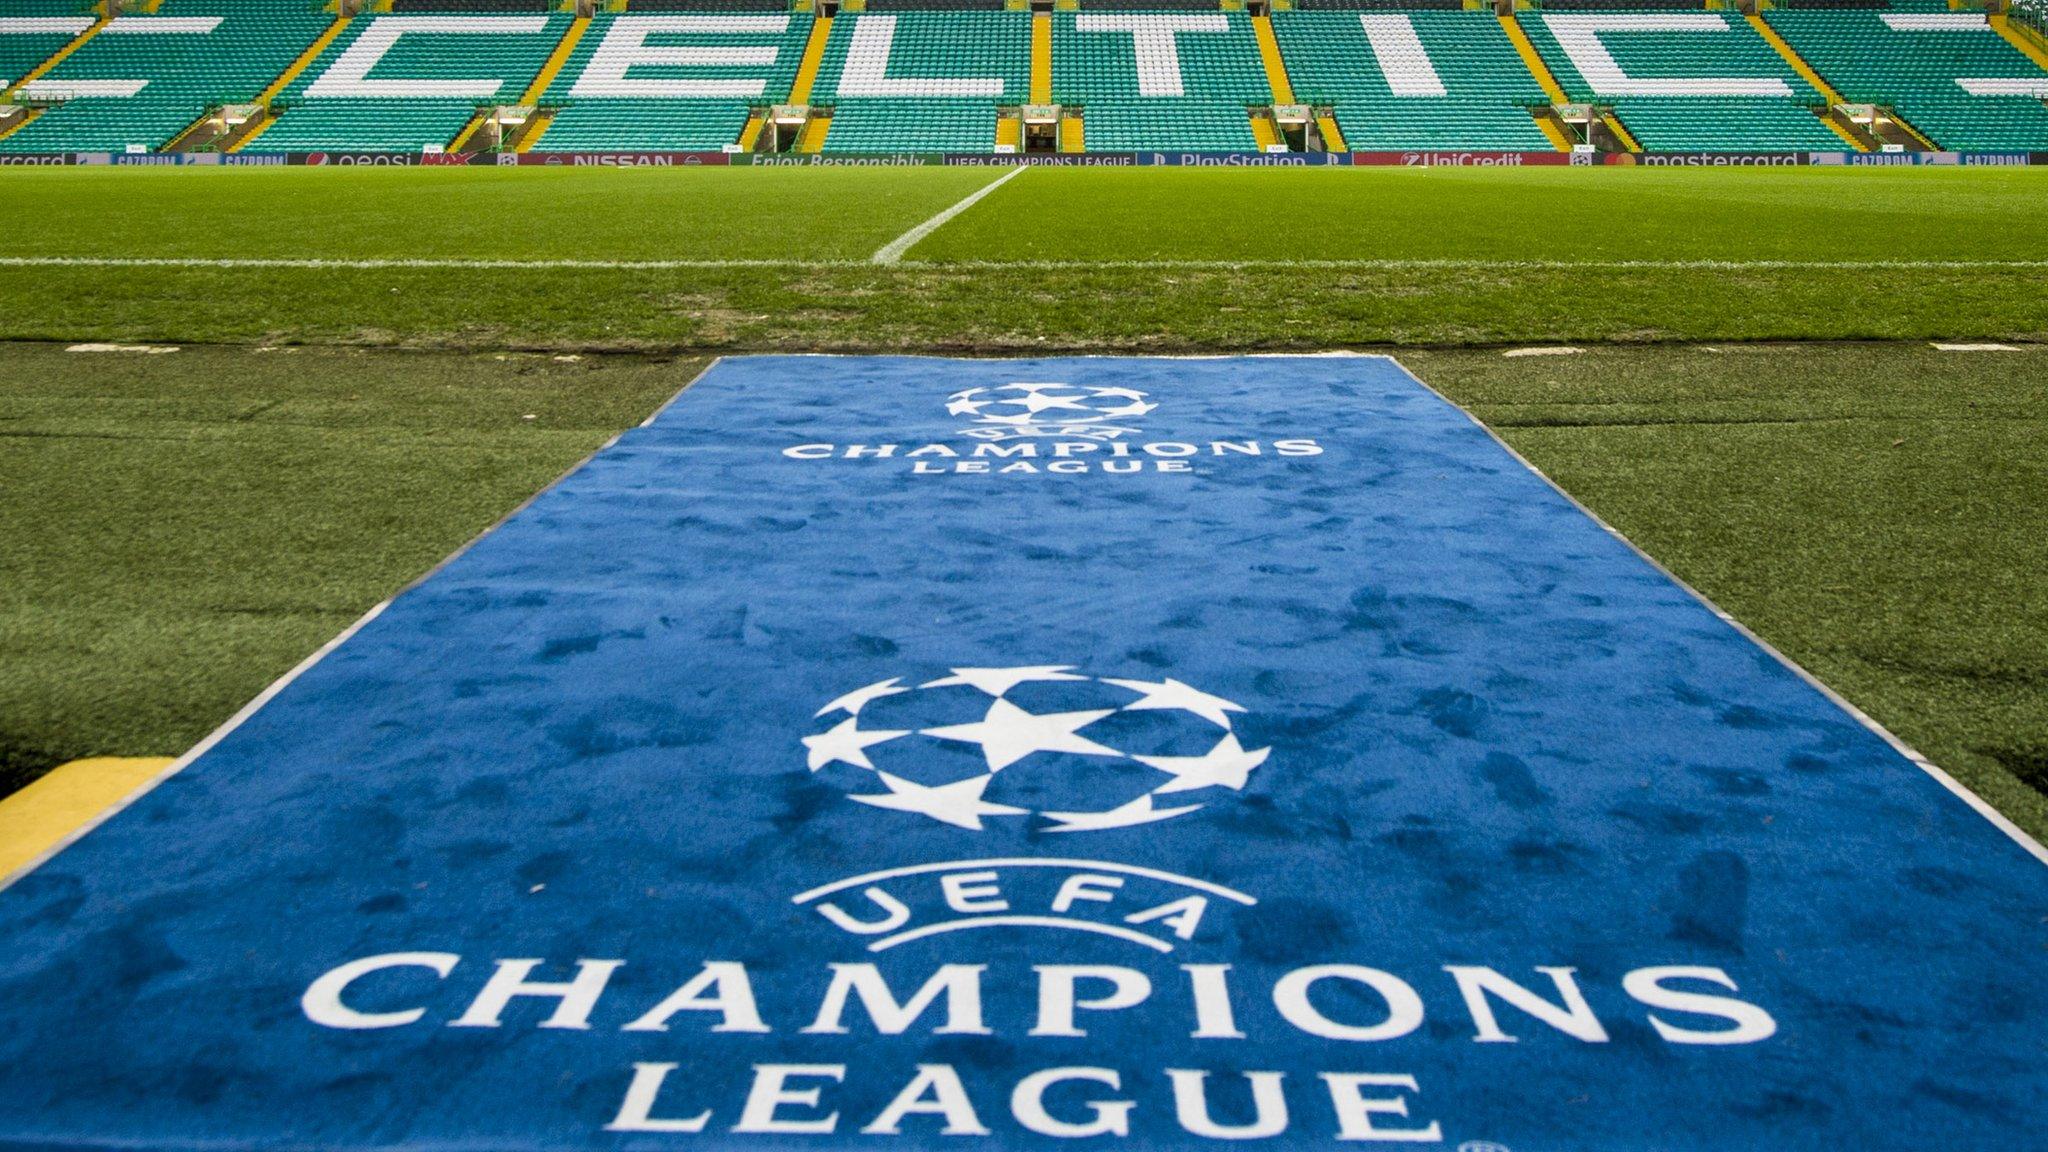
(1878, 513)
(185, 528)
(179, 530)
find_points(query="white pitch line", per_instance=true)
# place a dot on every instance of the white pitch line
(893, 251)
(375, 263)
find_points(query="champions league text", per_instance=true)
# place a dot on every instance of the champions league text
(1341, 1003)
(1055, 456)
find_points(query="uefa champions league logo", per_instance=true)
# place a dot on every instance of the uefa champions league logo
(1050, 429)
(1077, 753)
(1049, 409)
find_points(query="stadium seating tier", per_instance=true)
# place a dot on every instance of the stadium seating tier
(1949, 74)
(141, 80)
(933, 74)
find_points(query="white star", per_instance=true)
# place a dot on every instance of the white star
(997, 681)
(1171, 693)
(959, 804)
(1227, 764)
(859, 698)
(846, 743)
(1135, 408)
(1019, 418)
(1038, 402)
(1131, 394)
(1139, 811)
(1009, 734)
(965, 407)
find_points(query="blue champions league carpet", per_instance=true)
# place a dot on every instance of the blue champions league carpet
(908, 753)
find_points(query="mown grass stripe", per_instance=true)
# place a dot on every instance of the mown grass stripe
(375, 263)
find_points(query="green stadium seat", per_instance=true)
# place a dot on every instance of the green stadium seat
(645, 125)
(913, 55)
(142, 80)
(617, 92)
(925, 125)
(1724, 124)
(26, 41)
(1207, 56)
(1160, 80)
(1416, 79)
(1336, 57)
(923, 81)
(1949, 74)
(1439, 124)
(1168, 125)
(1684, 81)
(405, 83)
(46, 8)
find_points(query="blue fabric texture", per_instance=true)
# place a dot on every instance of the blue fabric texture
(1270, 718)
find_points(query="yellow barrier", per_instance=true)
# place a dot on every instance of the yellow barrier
(556, 59)
(47, 812)
(1263, 131)
(304, 61)
(1333, 140)
(815, 131)
(20, 122)
(1532, 60)
(751, 134)
(43, 69)
(1793, 58)
(1269, 55)
(1620, 133)
(2027, 44)
(814, 57)
(1041, 58)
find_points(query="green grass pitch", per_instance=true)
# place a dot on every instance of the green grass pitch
(1533, 254)
(181, 529)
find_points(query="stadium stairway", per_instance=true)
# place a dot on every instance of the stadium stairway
(1041, 58)
(2029, 43)
(922, 80)
(1419, 79)
(1841, 125)
(449, 74)
(142, 82)
(1333, 136)
(534, 121)
(63, 53)
(1682, 81)
(1620, 133)
(35, 44)
(1195, 98)
(1531, 59)
(812, 137)
(1269, 58)
(284, 80)
(1947, 77)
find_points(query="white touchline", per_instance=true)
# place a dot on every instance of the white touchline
(377, 263)
(893, 251)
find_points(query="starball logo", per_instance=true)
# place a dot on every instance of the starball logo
(1013, 1029)
(1051, 428)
